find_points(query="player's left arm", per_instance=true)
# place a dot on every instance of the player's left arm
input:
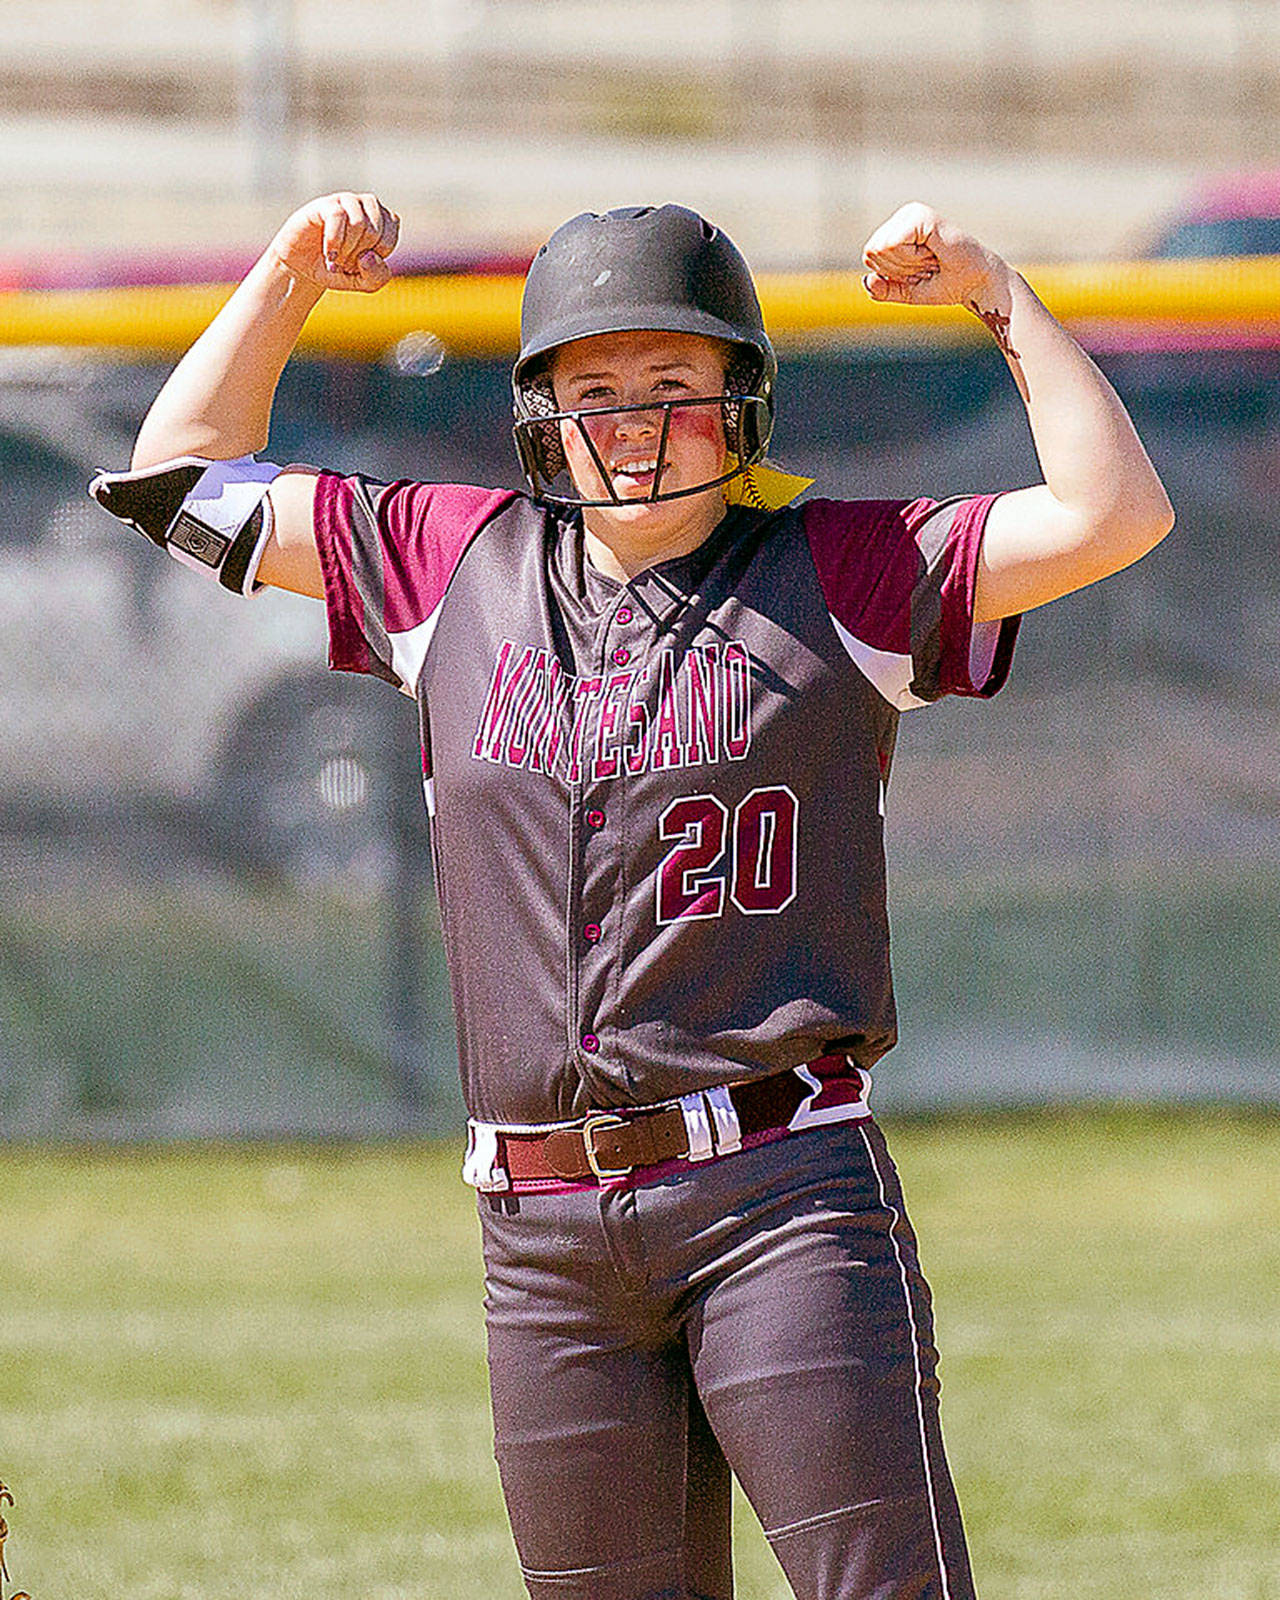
(1101, 505)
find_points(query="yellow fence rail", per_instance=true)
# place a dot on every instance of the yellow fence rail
(479, 316)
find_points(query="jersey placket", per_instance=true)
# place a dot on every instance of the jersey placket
(599, 825)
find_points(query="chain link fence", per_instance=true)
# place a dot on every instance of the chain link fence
(217, 915)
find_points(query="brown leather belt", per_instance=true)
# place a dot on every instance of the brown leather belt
(610, 1144)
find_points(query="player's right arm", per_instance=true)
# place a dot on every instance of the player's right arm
(217, 401)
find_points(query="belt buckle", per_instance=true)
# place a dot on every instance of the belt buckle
(601, 1119)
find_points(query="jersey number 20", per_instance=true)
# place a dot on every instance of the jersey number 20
(761, 876)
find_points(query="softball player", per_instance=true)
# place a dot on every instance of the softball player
(658, 702)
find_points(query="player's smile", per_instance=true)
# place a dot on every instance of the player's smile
(630, 475)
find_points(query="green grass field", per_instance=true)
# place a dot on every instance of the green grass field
(258, 1371)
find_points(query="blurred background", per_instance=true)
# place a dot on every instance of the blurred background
(1055, 129)
(217, 914)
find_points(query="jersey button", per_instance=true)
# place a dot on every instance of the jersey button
(620, 656)
(591, 933)
(623, 615)
(595, 819)
(590, 1043)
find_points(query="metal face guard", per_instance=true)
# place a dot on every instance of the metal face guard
(745, 405)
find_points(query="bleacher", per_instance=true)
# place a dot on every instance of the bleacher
(1056, 130)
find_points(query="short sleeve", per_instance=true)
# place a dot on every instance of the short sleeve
(899, 578)
(388, 552)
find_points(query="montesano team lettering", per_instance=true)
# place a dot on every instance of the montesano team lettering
(680, 709)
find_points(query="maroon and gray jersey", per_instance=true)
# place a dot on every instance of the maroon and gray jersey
(656, 806)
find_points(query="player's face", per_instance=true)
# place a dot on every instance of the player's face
(640, 369)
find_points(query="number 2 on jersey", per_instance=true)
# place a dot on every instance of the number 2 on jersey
(761, 873)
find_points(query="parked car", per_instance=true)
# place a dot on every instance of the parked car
(1227, 217)
(128, 688)
(1233, 215)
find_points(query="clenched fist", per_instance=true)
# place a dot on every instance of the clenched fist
(917, 258)
(339, 241)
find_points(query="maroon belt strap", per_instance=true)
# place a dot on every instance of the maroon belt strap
(609, 1144)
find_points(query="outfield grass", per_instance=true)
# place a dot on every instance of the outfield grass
(259, 1372)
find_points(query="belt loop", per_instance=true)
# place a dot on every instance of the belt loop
(800, 1118)
(728, 1130)
(697, 1126)
(482, 1167)
(840, 1107)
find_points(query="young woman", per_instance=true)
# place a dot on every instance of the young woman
(658, 704)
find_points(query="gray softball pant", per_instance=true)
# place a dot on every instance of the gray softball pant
(764, 1310)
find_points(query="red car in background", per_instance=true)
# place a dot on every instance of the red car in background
(1233, 215)
(1230, 218)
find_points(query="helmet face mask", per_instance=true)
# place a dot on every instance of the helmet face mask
(662, 269)
(745, 418)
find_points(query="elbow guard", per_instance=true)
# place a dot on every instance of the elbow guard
(213, 516)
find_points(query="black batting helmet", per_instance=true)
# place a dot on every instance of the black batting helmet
(663, 268)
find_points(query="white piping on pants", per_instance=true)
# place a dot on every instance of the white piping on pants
(896, 1214)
